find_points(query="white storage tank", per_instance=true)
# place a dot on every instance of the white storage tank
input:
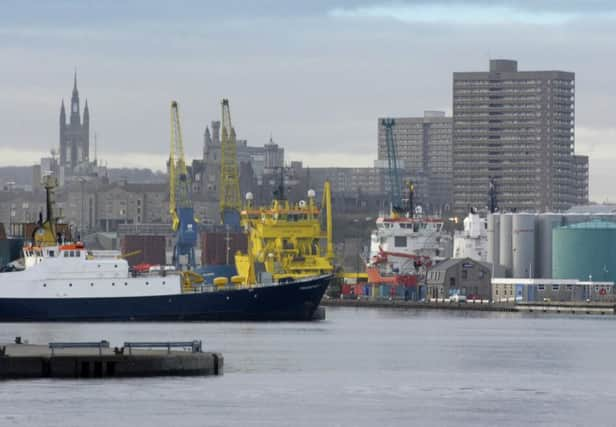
(505, 255)
(523, 245)
(544, 225)
(493, 240)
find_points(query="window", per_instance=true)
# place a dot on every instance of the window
(540, 288)
(555, 287)
(72, 254)
(400, 241)
(65, 254)
(465, 274)
(77, 253)
(51, 254)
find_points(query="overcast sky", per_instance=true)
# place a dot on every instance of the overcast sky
(314, 74)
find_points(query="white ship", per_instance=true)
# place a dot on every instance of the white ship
(401, 242)
(472, 242)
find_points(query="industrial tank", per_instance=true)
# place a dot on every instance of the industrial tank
(493, 237)
(505, 255)
(585, 251)
(544, 225)
(523, 245)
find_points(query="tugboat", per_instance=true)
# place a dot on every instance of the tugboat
(63, 281)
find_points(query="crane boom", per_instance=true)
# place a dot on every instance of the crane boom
(183, 222)
(392, 165)
(230, 201)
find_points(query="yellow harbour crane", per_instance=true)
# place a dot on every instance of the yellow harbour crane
(230, 201)
(180, 202)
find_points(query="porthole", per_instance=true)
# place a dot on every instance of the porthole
(125, 283)
(91, 284)
(112, 283)
(163, 282)
(115, 266)
(44, 285)
(147, 283)
(70, 284)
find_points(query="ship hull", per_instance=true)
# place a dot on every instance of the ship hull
(296, 300)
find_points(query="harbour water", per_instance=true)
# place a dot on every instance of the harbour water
(360, 367)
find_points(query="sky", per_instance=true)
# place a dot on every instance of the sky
(314, 75)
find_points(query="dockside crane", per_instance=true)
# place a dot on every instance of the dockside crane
(181, 209)
(230, 201)
(395, 197)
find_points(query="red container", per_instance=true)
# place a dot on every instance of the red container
(151, 249)
(345, 289)
(219, 247)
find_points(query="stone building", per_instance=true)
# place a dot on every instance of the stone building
(463, 276)
(74, 136)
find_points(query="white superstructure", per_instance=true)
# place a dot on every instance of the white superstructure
(402, 240)
(70, 271)
(472, 242)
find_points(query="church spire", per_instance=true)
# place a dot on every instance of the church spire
(62, 113)
(75, 102)
(86, 112)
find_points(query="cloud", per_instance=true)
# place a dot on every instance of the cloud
(463, 13)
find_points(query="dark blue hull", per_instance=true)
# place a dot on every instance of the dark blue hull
(291, 301)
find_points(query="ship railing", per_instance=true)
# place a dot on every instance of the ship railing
(195, 346)
(87, 344)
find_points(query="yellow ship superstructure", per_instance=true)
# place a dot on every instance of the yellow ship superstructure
(287, 240)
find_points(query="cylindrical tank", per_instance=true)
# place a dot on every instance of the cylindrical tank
(505, 256)
(543, 243)
(570, 219)
(585, 251)
(493, 238)
(523, 245)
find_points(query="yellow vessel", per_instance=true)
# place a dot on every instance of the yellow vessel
(285, 240)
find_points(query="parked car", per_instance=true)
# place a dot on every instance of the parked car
(457, 298)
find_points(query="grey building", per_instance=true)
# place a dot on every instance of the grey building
(424, 148)
(463, 276)
(517, 129)
(74, 135)
(551, 290)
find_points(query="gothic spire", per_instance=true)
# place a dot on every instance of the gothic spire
(86, 112)
(62, 113)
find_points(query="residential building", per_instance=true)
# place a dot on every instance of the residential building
(516, 129)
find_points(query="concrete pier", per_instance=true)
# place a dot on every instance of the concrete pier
(553, 307)
(74, 361)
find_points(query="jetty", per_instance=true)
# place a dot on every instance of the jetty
(19, 360)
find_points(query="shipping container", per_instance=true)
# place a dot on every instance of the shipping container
(150, 249)
(219, 248)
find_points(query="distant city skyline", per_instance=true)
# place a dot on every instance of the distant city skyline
(315, 76)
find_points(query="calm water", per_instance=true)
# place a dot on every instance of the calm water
(361, 367)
